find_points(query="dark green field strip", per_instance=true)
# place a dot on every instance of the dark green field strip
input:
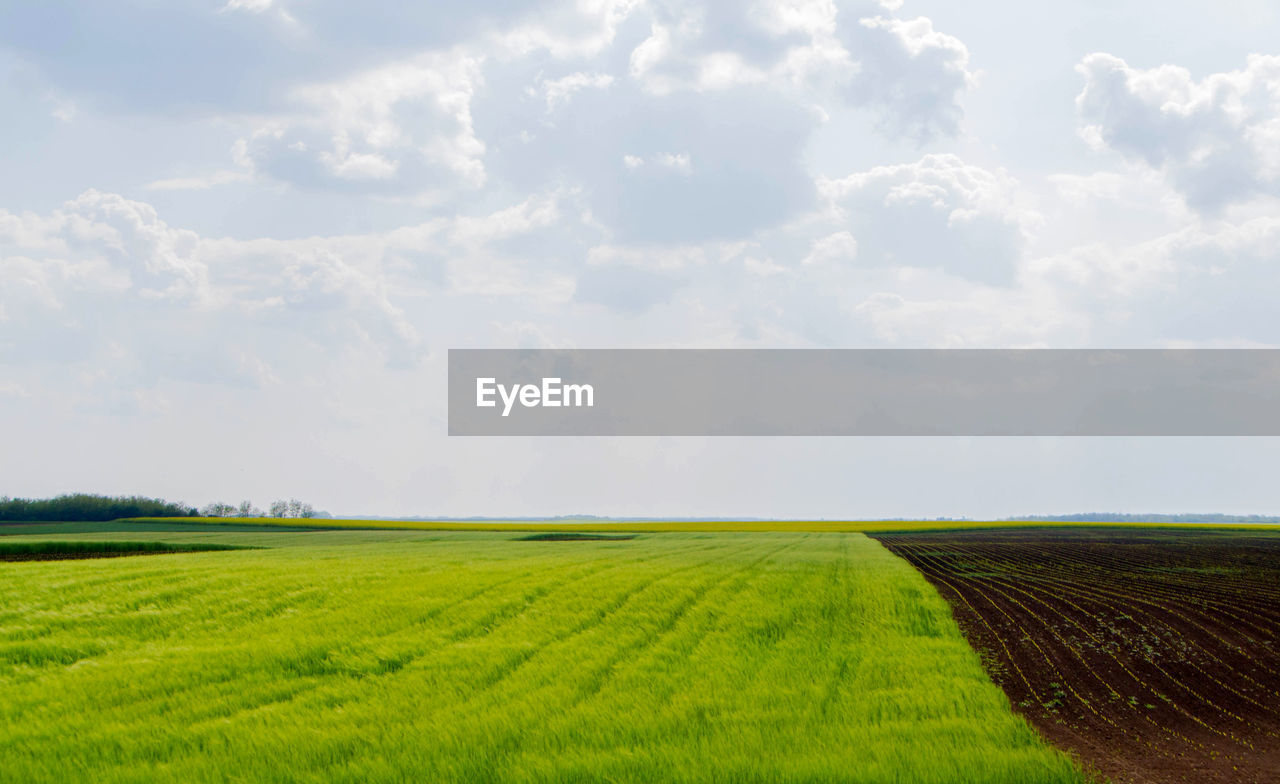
(49, 550)
(568, 536)
(8, 528)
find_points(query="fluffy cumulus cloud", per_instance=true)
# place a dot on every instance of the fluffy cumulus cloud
(624, 161)
(1210, 285)
(717, 45)
(912, 74)
(58, 269)
(937, 213)
(1217, 138)
(673, 122)
(1198, 286)
(1206, 285)
(404, 126)
(718, 98)
(106, 285)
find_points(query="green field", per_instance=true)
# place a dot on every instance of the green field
(438, 656)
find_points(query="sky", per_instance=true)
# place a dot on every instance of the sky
(238, 237)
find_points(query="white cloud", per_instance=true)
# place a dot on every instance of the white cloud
(1194, 287)
(625, 288)
(1217, 139)
(13, 389)
(651, 51)
(910, 74)
(63, 109)
(533, 213)
(682, 167)
(403, 126)
(722, 70)
(712, 116)
(105, 274)
(835, 248)
(559, 91)
(1120, 207)
(708, 47)
(1200, 283)
(569, 30)
(938, 212)
(222, 177)
(160, 261)
(679, 162)
(812, 17)
(972, 318)
(250, 6)
(914, 75)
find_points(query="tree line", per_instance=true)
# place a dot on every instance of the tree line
(80, 507)
(291, 508)
(1116, 517)
(86, 507)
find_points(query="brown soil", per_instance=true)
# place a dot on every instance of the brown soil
(1153, 655)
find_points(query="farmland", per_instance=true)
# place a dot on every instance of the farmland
(1151, 653)
(449, 655)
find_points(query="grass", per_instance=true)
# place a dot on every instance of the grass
(357, 656)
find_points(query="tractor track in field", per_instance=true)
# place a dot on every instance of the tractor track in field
(1153, 655)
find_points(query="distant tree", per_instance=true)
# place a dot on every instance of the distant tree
(218, 509)
(292, 508)
(247, 509)
(1116, 517)
(82, 507)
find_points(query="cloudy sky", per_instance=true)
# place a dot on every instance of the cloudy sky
(237, 238)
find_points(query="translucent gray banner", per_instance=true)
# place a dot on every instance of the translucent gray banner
(872, 392)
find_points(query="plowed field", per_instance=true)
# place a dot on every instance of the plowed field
(1151, 654)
